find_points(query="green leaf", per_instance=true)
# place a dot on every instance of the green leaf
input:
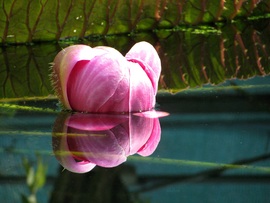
(27, 21)
(24, 70)
(192, 60)
(189, 59)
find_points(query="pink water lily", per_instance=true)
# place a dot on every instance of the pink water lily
(102, 80)
(82, 141)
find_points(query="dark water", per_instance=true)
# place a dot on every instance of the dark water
(214, 146)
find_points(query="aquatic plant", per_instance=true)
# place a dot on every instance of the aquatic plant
(102, 80)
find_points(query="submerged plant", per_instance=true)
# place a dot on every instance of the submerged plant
(102, 80)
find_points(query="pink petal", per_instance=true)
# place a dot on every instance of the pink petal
(146, 56)
(63, 65)
(101, 80)
(100, 85)
(142, 95)
(152, 114)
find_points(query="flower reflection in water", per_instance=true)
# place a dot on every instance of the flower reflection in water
(82, 141)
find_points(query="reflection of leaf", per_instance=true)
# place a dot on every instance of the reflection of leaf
(167, 161)
(42, 20)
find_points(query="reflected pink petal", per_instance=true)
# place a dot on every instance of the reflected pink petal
(95, 122)
(62, 151)
(99, 147)
(66, 158)
(151, 144)
(82, 141)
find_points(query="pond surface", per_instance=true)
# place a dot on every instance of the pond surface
(213, 147)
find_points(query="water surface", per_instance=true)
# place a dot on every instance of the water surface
(214, 145)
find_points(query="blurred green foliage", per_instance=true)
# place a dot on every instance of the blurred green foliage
(35, 179)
